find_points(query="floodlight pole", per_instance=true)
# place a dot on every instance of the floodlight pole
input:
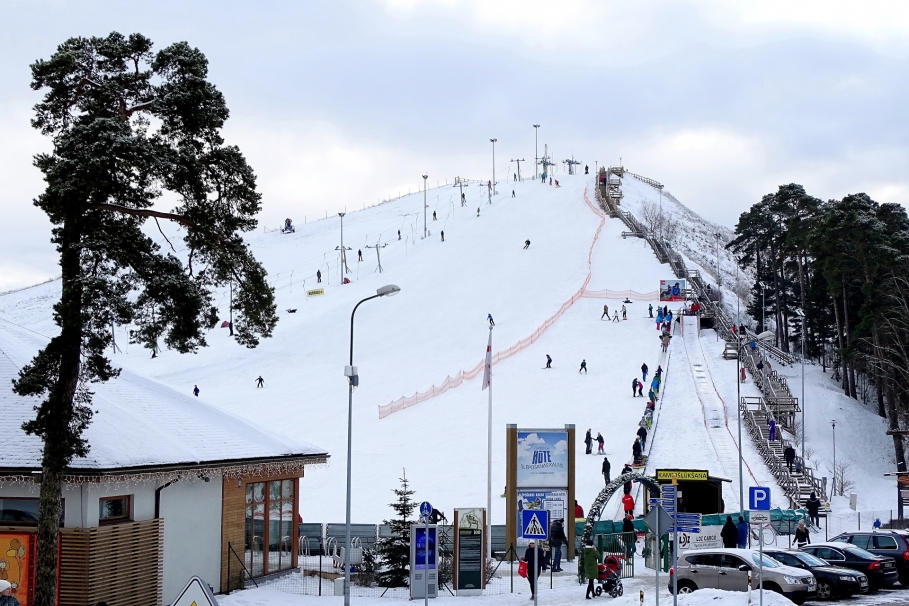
(493, 165)
(536, 151)
(425, 206)
(833, 423)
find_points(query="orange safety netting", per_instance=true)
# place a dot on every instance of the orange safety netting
(451, 382)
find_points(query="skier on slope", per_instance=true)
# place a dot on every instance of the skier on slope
(526, 244)
(443, 235)
(583, 367)
(196, 390)
(359, 255)
(605, 312)
(588, 442)
(260, 382)
(644, 371)
(650, 310)
(491, 321)
(624, 313)
(433, 215)
(478, 211)
(319, 276)
(600, 442)
(548, 361)
(615, 318)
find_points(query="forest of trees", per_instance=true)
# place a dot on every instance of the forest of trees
(843, 267)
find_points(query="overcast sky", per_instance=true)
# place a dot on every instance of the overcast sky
(340, 103)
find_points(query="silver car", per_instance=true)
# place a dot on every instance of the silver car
(729, 569)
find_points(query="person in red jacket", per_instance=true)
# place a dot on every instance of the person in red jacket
(578, 510)
(628, 504)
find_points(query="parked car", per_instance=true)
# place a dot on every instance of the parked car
(888, 543)
(881, 571)
(832, 581)
(729, 569)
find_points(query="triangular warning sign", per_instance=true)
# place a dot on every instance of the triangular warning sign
(534, 528)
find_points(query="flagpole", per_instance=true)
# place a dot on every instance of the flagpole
(489, 451)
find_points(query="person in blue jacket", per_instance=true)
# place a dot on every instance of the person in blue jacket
(742, 528)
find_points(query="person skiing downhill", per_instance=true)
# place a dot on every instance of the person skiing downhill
(644, 372)
(491, 321)
(605, 312)
(319, 276)
(478, 211)
(433, 215)
(399, 234)
(583, 367)
(588, 442)
(260, 382)
(443, 235)
(196, 390)
(512, 193)
(526, 244)
(600, 442)
(548, 361)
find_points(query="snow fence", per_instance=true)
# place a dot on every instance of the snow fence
(460, 377)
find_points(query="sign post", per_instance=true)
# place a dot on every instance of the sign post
(671, 492)
(425, 512)
(655, 520)
(759, 506)
(535, 525)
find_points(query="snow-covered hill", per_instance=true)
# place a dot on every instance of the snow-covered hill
(437, 327)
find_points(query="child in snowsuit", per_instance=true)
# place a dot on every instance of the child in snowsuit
(600, 442)
(640, 389)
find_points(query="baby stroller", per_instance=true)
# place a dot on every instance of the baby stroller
(609, 578)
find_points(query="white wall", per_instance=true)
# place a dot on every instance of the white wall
(192, 534)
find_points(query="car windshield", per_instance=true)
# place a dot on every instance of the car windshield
(858, 551)
(809, 559)
(766, 561)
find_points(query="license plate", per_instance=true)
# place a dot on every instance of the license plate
(863, 583)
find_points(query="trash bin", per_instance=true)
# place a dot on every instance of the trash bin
(339, 586)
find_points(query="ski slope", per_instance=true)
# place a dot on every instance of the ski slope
(435, 328)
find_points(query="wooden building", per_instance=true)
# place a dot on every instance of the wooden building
(171, 488)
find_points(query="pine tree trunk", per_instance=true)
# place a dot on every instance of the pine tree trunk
(894, 423)
(851, 365)
(839, 338)
(57, 439)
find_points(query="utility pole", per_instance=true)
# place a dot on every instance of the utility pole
(341, 248)
(460, 183)
(519, 168)
(493, 165)
(425, 206)
(536, 151)
(377, 247)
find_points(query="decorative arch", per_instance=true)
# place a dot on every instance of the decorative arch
(596, 509)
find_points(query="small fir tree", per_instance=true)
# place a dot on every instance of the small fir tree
(394, 550)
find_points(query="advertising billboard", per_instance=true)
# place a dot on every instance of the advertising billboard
(672, 290)
(553, 501)
(542, 459)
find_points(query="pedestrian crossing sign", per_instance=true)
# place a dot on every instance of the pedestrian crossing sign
(534, 524)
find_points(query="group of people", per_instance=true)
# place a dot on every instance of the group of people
(615, 317)
(588, 442)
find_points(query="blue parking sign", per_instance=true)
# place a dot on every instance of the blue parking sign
(759, 498)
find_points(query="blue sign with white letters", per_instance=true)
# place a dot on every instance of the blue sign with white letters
(425, 509)
(759, 498)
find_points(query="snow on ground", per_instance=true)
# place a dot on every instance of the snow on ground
(437, 326)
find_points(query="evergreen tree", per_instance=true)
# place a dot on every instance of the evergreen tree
(394, 551)
(131, 127)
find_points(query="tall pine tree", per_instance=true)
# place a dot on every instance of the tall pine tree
(394, 551)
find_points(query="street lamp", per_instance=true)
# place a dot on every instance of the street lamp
(833, 423)
(353, 380)
(425, 206)
(536, 151)
(740, 341)
(493, 165)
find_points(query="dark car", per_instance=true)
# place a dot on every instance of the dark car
(881, 571)
(888, 543)
(832, 581)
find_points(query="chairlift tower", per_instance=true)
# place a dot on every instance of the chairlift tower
(546, 160)
(571, 163)
(519, 167)
(342, 248)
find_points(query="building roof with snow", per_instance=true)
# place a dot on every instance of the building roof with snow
(138, 426)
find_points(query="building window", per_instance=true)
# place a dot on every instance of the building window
(269, 526)
(114, 509)
(23, 511)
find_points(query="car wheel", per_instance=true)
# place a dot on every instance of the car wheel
(687, 587)
(824, 590)
(773, 587)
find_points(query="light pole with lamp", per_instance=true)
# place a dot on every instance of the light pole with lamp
(801, 315)
(536, 151)
(493, 165)
(425, 206)
(833, 423)
(350, 371)
(740, 341)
